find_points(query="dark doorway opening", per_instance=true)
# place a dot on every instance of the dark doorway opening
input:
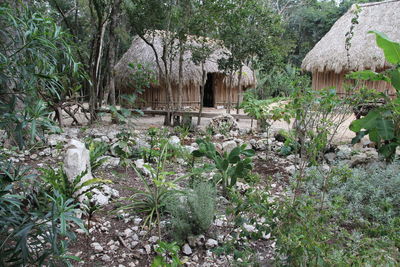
(208, 100)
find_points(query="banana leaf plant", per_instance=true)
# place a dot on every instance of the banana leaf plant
(230, 166)
(382, 124)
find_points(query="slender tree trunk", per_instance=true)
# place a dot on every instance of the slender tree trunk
(230, 92)
(94, 89)
(180, 82)
(167, 60)
(203, 83)
(110, 92)
(239, 89)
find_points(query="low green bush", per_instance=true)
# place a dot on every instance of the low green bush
(193, 212)
(229, 166)
(35, 225)
(342, 218)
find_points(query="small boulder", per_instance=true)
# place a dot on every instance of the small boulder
(228, 146)
(187, 250)
(211, 243)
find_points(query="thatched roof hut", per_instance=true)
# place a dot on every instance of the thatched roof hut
(328, 60)
(217, 85)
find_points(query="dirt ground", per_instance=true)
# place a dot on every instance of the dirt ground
(344, 134)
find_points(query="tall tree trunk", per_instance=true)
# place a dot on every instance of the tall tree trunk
(180, 82)
(203, 83)
(167, 60)
(239, 89)
(94, 89)
(110, 92)
(230, 92)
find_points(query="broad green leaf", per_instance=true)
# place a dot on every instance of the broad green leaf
(249, 152)
(197, 154)
(367, 75)
(359, 136)
(388, 150)
(369, 121)
(395, 78)
(390, 48)
(234, 155)
(385, 129)
(374, 136)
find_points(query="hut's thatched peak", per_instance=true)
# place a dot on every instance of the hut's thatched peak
(329, 54)
(140, 52)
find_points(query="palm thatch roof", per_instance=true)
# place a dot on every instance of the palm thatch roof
(330, 54)
(140, 52)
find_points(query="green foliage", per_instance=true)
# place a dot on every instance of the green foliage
(157, 190)
(96, 151)
(281, 82)
(36, 72)
(342, 218)
(35, 227)
(318, 115)
(168, 255)
(382, 124)
(125, 148)
(58, 180)
(192, 213)
(230, 166)
(370, 195)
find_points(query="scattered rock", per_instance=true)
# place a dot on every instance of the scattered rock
(174, 140)
(97, 247)
(153, 239)
(344, 152)
(211, 243)
(291, 169)
(187, 250)
(148, 249)
(223, 124)
(55, 139)
(330, 157)
(139, 163)
(250, 228)
(106, 258)
(76, 162)
(228, 146)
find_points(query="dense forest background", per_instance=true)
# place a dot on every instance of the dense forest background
(58, 50)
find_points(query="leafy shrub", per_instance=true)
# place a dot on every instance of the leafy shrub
(153, 199)
(37, 71)
(369, 195)
(342, 218)
(125, 148)
(96, 151)
(58, 180)
(230, 166)
(168, 255)
(282, 81)
(381, 124)
(193, 212)
(35, 227)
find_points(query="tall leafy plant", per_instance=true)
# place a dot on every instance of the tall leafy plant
(230, 166)
(36, 68)
(382, 124)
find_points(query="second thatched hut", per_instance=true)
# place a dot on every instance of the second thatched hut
(217, 85)
(329, 61)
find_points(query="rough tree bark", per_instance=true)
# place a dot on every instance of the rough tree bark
(239, 89)
(110, 93)
(230, 92)
(203, 83)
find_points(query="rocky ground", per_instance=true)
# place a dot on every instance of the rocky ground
(117, 238)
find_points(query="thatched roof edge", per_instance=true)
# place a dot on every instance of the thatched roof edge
(329, 54)
(140, 52)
